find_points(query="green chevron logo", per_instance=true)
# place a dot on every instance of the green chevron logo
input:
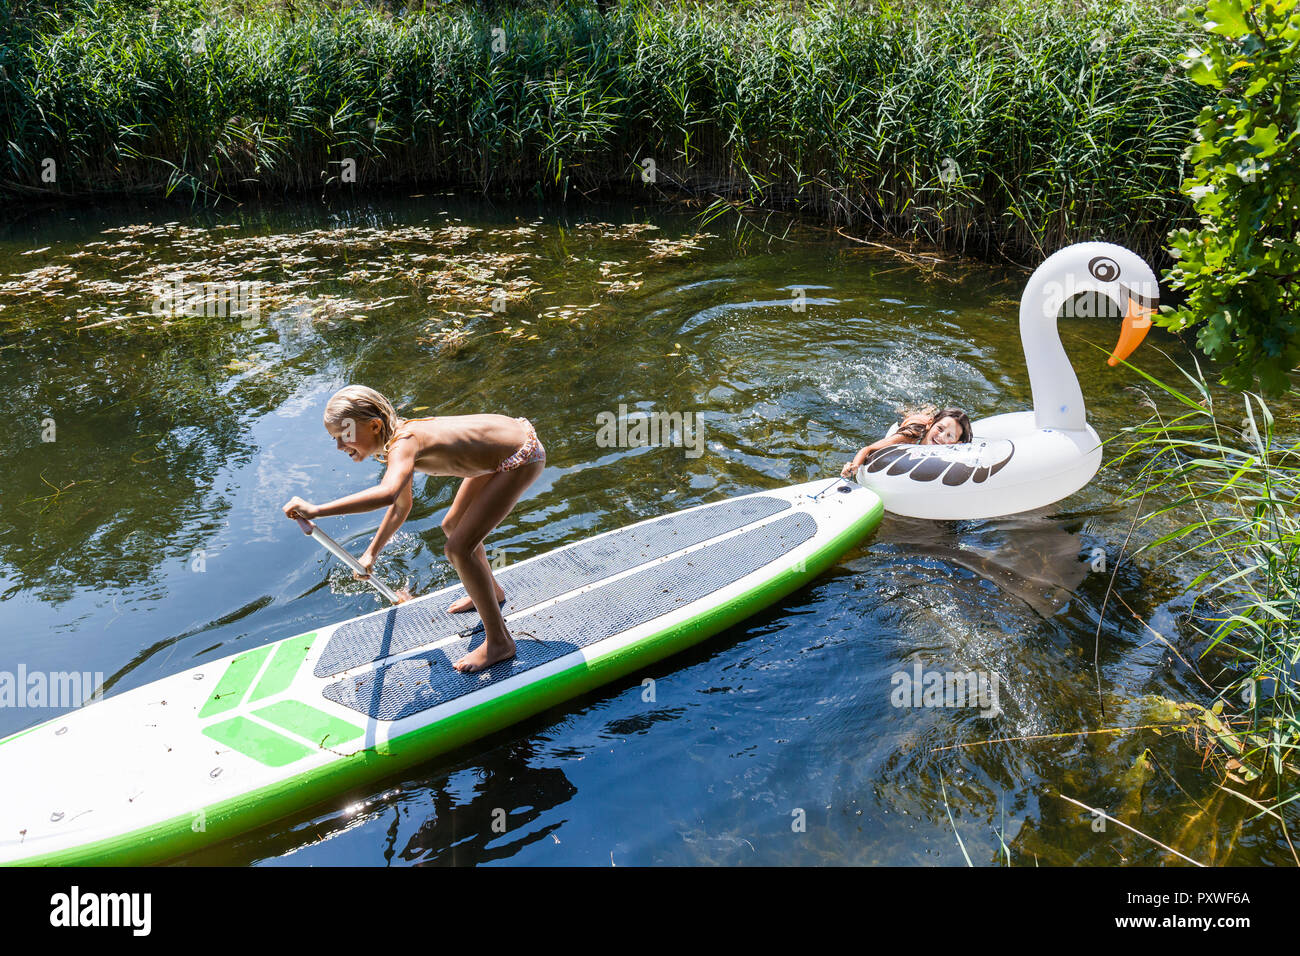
(252, 737)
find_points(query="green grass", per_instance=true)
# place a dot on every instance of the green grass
(1232, 483)
(1008, 129)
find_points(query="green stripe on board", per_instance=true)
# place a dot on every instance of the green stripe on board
(253, 740)
(234, 682)
(284, 666)
(23, 732)
(310, 723)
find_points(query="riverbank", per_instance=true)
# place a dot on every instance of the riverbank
(1004, 132)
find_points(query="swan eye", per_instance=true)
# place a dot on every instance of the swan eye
(1104, 268)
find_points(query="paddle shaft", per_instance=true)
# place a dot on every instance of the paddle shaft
(336, 549)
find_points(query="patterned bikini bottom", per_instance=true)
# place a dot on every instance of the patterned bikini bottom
(531, 450)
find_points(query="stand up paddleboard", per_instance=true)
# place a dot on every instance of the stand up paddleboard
(236, 743)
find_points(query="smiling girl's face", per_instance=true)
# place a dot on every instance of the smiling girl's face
(358, 440)
(946, 431)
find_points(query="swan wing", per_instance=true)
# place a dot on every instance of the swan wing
(954, 464)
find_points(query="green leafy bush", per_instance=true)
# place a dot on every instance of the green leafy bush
(1241, 268)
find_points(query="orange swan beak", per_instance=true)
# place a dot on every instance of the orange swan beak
(1136, 325)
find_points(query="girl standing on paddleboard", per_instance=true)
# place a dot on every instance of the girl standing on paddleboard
(498, 458)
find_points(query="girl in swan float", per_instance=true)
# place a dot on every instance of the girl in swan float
(926, 427)
(1019, 461)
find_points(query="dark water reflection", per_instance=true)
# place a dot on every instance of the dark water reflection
(775, 742)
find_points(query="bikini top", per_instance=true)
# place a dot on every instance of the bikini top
(402, 433)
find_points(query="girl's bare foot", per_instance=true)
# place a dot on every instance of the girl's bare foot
(485, 655)
(466, 603)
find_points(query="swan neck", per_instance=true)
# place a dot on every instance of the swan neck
(1058, 400)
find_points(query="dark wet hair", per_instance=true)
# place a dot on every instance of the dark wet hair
(915, 431)
(962, 419)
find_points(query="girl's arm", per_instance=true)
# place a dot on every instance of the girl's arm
(396, 480)
(860, 458)
(393, 519)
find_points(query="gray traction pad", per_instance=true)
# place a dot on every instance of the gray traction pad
(408, 626)
(426, 680)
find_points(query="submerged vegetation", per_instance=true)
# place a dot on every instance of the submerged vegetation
(154, 277)
(1003, 130)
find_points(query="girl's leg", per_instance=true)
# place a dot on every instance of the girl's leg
(468, 491)
(484, 511)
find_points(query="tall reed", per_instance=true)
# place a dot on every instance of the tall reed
(1010, 129)
(1231, 481)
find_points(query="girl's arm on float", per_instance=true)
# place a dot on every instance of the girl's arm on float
(860, 458)
(864, 454)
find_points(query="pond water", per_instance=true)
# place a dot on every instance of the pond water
(147, 538)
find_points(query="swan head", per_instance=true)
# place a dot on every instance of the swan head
(1115, 272)
(1136, 292)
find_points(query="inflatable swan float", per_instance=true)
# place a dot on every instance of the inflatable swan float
(1019, 461)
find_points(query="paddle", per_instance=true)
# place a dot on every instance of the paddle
(336, 549)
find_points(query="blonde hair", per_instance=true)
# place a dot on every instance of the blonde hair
(357, 403)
